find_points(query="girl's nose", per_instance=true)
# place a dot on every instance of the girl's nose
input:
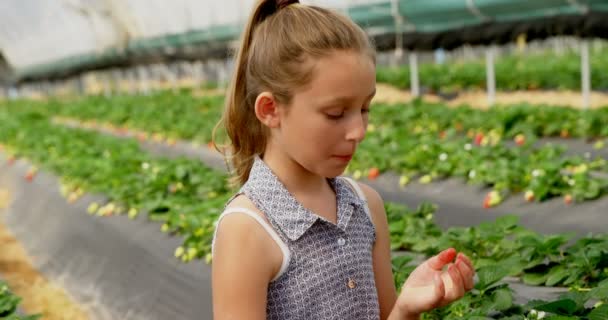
(357, 128)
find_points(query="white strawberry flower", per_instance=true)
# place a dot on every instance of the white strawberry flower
(472, 174)
(443, 157)
(537, 173)
(468, 147)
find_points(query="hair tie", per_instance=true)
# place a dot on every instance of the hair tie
(284, 3)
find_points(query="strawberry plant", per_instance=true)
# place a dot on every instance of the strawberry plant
(182, 194)
(514, 72)
(9, 303)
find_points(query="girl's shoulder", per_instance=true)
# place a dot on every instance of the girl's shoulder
(242, 226)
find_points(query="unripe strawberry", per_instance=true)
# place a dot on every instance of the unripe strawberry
(568, 199)
(529, 196)
(425, 179)
(404, 180)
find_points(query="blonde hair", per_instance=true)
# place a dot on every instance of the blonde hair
(280, 37)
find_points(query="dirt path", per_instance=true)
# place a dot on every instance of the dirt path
(39, 295)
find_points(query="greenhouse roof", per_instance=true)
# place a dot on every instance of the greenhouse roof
(40, 39)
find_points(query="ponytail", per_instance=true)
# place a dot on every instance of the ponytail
(279, 35)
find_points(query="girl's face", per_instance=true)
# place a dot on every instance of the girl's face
(327, 119)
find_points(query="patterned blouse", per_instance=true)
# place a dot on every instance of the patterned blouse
(327, 270)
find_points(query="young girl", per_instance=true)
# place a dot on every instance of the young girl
(298, 241)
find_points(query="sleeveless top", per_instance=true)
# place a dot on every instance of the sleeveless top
(327, 270)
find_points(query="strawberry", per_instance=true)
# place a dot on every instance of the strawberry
(92, 208)
(158, 137)
(132, 213)
(520, 139)
(404, 180)
(141, 137)
(426, 179)
(72, 197)
(373, 173)
(486, 202)
(529, 196)
(478, 138)
(492, 199)
(30, 174)
(568, 199)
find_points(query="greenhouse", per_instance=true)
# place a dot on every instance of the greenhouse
(488, 133)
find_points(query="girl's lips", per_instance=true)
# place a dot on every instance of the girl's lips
(344, 158)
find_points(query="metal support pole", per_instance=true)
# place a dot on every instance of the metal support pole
(585, 74)
(414, 80)
(490, 76)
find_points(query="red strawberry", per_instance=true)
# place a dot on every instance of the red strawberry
(568, 199)
(486, 202)
(141, 137)
(29, 176)
(373, 173)
(478, 138)
(520, 139)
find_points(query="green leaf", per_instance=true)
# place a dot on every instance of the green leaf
(556, 275)
(535, 279)
(560, 307)
(490, 275)
(599, 313)
(503, 299)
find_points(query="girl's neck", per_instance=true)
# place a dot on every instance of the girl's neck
(296, 178)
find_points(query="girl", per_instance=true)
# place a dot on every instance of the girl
(298, 241)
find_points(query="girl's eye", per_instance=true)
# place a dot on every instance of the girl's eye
(335, 116)
(365, 110)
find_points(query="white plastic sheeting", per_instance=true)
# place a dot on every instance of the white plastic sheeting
(39, 31)
(35, 32)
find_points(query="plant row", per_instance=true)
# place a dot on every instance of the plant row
(418, 141)
(187, 198)
(514, 72)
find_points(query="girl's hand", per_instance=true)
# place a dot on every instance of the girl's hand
(429, 286)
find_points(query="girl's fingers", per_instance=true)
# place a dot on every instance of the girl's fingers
(466, 273)
(439, 287)
(439, 261)
(457, 289)
(465, 259)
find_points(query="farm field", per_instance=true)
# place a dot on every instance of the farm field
(522, 170)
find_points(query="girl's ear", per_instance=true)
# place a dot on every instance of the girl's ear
(267, 110)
